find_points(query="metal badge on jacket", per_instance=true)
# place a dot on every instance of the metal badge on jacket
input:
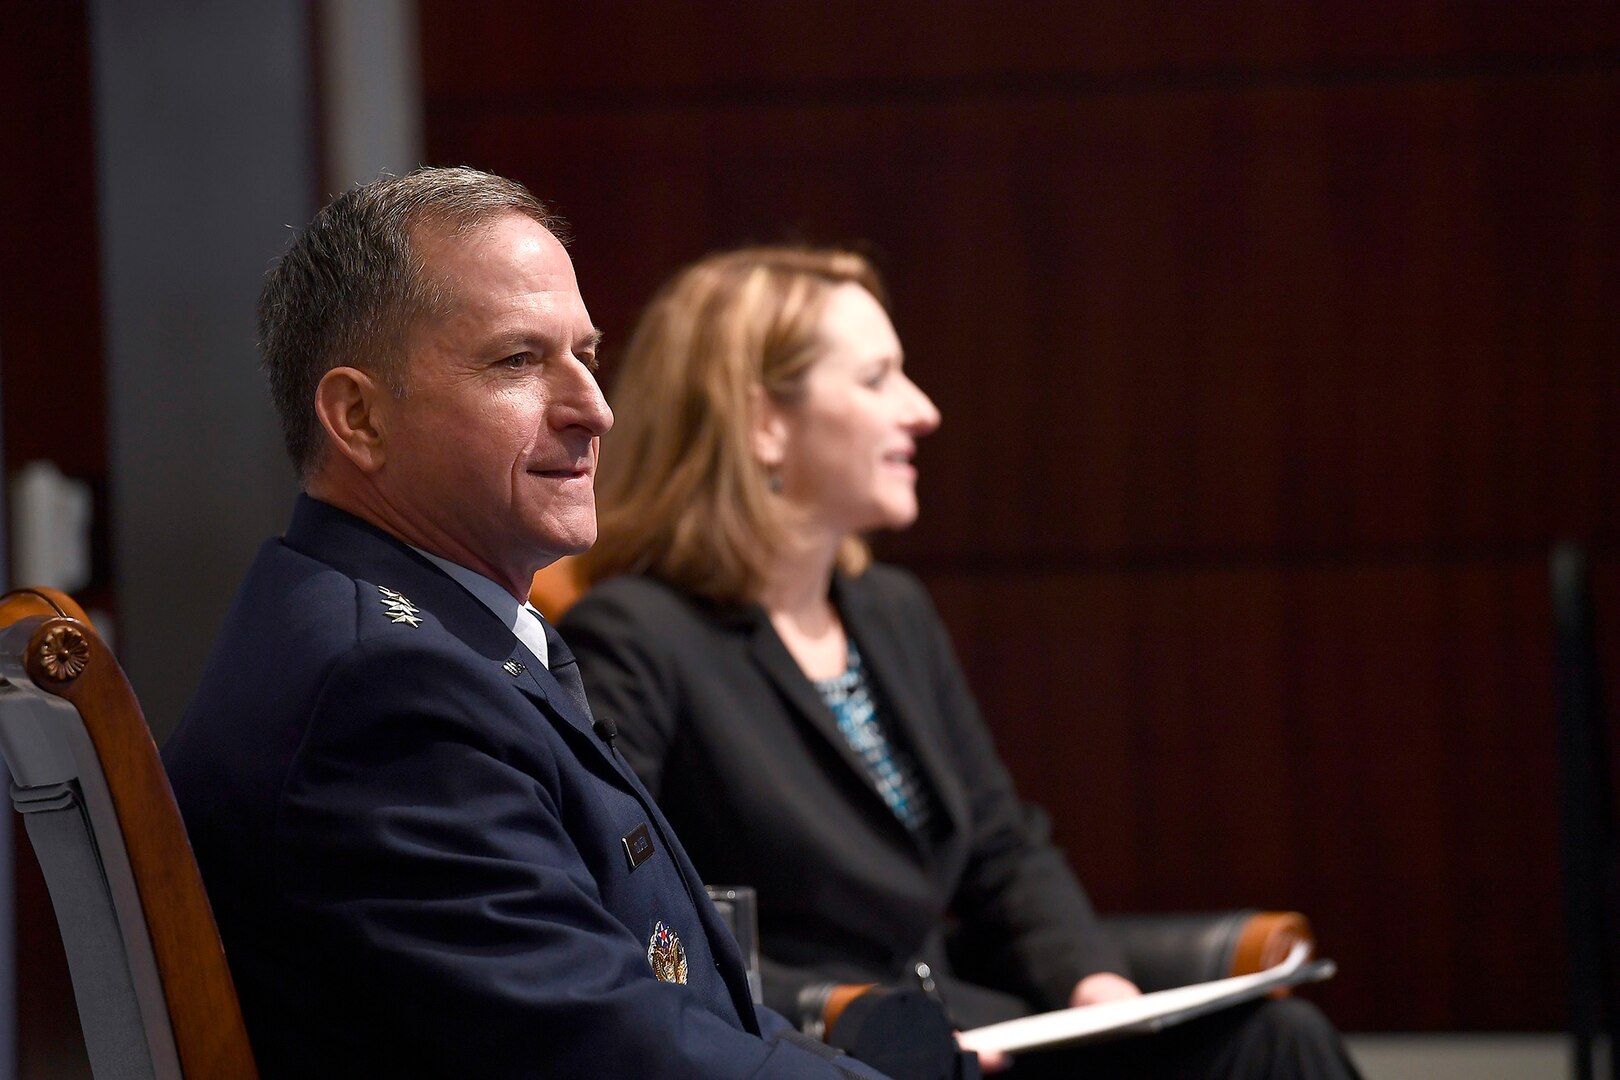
(667, 955)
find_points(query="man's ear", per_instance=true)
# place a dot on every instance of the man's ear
(767, 429)
(353, 408)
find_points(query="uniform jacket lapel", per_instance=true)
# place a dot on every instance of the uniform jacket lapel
(367, 554)
(537, 682)
(542, 687)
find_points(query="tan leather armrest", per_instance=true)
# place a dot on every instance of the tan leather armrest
(838, 1000)
(1267, 938)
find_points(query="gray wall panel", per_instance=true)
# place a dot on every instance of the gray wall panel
(204, 135)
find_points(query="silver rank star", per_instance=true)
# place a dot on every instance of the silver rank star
(398, 609)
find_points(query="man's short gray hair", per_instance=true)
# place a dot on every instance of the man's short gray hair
(351, 287)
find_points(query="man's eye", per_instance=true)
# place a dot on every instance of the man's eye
(518, 360)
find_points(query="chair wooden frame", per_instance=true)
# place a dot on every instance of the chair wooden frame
(154, 991)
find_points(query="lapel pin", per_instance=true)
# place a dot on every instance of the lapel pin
(513, 668)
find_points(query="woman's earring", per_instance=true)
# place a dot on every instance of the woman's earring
(773, 481)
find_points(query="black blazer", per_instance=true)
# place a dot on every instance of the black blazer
(747, 762)
(411, 838)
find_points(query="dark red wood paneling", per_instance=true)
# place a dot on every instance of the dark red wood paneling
(1240, 322)
(650, 54)
(1371, 744)
(54, 389)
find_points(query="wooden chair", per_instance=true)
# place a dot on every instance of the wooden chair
(154, 993)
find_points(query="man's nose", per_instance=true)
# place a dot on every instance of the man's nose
(580, 402)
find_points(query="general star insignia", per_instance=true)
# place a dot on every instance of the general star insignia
(398, 609)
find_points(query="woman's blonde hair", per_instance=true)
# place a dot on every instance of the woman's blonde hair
(680, 494)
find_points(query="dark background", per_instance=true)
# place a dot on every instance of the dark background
(1275, 343)
(53, 390)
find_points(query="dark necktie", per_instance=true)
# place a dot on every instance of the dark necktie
(564, 668)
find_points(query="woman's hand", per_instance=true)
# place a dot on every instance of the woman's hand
(1091, 990)
(990, 1061)
(1100, 987)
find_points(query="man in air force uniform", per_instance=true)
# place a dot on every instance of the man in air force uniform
(424, 859)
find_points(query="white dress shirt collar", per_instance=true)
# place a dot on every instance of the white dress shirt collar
(519, 616)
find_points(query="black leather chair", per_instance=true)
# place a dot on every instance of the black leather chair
(155, 996)
(1166, 951)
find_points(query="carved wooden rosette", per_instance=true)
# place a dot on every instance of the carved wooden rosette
(59, 652)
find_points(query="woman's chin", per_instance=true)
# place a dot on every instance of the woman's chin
(897, 519)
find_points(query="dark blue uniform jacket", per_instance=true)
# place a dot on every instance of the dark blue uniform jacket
(412, 840)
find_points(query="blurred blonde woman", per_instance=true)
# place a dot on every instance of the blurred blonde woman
(797, 710)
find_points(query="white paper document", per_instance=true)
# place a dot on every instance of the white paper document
(1150, 1012)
